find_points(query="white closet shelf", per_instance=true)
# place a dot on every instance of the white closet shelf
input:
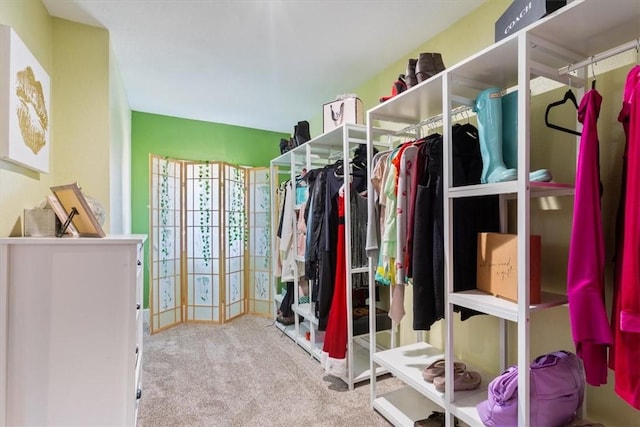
(289, 330)
(305, 311)
(407, 363)
(499, 307)
(578, 32)
(421, 101)
(510, 188)
(588, 30)
(323, 144)
(361, 366)
(404, 406)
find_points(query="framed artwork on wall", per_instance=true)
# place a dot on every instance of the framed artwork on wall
(75, 205)
(25, 138)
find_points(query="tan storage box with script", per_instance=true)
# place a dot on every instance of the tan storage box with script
(497, 269)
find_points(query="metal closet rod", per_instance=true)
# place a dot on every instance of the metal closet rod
(437, 118)
(633, 44)
(338, 154)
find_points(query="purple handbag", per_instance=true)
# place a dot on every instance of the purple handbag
(557, 392)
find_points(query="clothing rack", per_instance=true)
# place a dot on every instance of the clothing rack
(434, 121)
(339, 154)
(633, 44)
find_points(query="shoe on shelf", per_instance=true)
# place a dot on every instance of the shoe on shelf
(286, 320)
(436, 419)
(398, 87)
(436, 369)
(462, 380)
(410, 75)
(428, 65)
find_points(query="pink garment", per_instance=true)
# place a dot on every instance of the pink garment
(301, 233)
(585, 272)
(625, 321)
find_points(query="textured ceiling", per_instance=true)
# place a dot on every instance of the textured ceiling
(264, 64)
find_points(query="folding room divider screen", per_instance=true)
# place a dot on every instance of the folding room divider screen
(209, 228)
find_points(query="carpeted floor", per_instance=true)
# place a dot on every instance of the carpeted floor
(245, 373)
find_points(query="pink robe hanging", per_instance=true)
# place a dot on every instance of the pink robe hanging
(625, 320)
(585, 272)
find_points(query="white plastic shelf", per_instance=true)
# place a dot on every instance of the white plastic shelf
(408, 362)
(499, 307)
(404, 406)
(510, 188)
(305, 311)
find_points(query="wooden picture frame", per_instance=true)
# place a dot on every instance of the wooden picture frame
(70, 197)
(61, 214)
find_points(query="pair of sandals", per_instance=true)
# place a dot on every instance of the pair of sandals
(462, 379)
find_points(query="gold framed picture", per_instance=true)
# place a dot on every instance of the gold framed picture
(25, 137)
(76, 206)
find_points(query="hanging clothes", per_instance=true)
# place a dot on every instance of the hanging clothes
(385, 271)
(428, 240)
(625, 319)
(585, 272)
(287, 245)
(471, 215)
(373, 215)
(405, 180)
(301, 232)
(418, 168)
(334, 349)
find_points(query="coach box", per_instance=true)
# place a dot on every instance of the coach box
(522, 13)
(497, 269)
(342, 111)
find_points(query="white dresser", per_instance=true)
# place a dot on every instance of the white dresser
(71, 330)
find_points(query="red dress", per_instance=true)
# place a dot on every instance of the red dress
(334, 350)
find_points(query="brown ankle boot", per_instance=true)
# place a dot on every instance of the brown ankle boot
(428, 65)
(410, 75)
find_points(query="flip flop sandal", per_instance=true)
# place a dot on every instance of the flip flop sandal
(436, 369)
(463, 380)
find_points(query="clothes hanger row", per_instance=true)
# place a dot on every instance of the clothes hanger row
(593, 61)
(632, 44)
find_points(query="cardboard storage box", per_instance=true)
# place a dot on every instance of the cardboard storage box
(342, 111)
(522, 13)
(497, 268)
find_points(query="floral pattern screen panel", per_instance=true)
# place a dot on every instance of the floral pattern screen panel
(203, 241)
(260, 285)
(235, 239)
(165, 289)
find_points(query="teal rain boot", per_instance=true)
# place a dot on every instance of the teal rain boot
(488, 106)
(510, 137)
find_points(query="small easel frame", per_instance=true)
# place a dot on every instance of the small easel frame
(78, 211)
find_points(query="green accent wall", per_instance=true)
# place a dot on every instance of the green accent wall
(188, 140)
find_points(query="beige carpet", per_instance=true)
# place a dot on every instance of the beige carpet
(244, 373)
